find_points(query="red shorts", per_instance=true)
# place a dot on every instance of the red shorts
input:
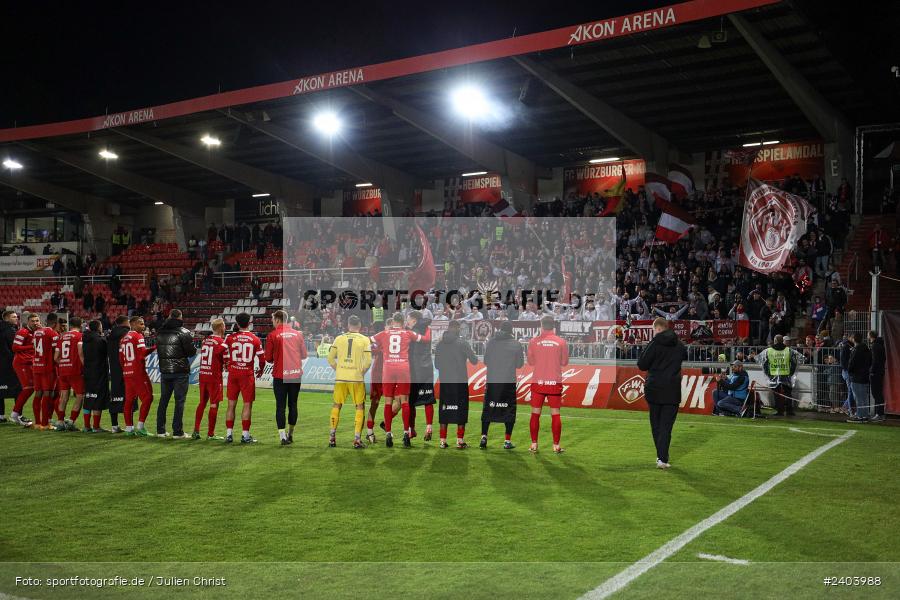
(375, 391)
(395, 382)
(211, 391)
(25, 375)
(73, 382)
(552, 394)
(245, 385)
(44, 381)
(138, 388)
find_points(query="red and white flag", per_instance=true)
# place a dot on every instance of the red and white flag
(674, 222)
(506, 211)
(682, 183)
(774, 221)
(658, 187)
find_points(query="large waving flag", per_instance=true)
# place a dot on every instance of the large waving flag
(674, 222)
(682, 182)
(423, 277)
(658, 188)
(774, 221)
(615, 196)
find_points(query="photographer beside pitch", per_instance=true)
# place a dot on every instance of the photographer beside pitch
(731, 390)
(662, 360)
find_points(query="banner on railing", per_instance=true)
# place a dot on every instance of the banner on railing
(636, 332)
(28, 262)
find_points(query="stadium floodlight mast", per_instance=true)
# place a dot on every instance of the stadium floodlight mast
(470, 102)
(12, 165)
(211, 141)
(595, 161)
(327, 123)
(108, 154)
(474, 173)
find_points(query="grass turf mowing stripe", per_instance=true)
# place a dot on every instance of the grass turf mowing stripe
(620, 581)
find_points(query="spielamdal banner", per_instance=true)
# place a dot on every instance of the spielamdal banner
(603, 177)
(30, 262)
(779, 161)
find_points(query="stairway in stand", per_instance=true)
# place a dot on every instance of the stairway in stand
(858, 244)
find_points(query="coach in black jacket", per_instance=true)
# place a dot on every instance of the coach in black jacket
(9, 382)
(450, 356)
(174, 349)
(116, 381)
(502, 356)
(662, 360)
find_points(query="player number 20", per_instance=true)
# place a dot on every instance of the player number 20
(242, 353)
(128, 351)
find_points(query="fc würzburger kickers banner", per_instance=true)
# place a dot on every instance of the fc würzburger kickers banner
(774, 221)
(603, 177)
(362, 201)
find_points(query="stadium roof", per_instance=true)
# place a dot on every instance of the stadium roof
(651, 67)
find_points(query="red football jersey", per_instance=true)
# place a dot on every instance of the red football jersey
(213, 352)
(132, 352)
(243, 349)
(43, 341)
(286, 350)
(377, 364)
(548, 354)
(23, 348)
(69, 358)
(394, 344)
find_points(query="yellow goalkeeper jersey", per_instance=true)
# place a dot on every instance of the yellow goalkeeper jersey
(350, 356)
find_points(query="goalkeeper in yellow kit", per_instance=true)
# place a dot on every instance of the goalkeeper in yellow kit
(350, 356)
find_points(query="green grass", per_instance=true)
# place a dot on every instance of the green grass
(310, 521)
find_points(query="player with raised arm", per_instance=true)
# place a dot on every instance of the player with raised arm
(43, 369)
(394, 344)
(23, 359)
(213, 359)
(547, 354)
(133, 352)
(245, 364)
(350, 356)
(69, 358)
(286, 350)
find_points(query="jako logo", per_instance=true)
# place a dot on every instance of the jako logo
(632, 389)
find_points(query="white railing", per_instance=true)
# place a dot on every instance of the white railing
(340, 273)
(67, 280)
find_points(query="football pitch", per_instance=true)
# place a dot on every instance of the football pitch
(787, 503)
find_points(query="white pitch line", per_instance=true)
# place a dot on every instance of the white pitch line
(618, 582)
(725, 559)
(798, 430)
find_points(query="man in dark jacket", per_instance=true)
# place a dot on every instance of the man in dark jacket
(450, 356)
(662, 360)
(502, 356)
(174, 349)
(421, 370)
(859, 368)
(116, 381)
(846, 349)
(876, 375)
(9, 382)
(96, 369)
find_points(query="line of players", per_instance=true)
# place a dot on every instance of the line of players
(55, 359)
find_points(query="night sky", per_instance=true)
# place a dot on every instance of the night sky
(68, 60)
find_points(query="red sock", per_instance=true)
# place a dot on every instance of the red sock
(145, 409)
(388, 416)
(21, 399)
(213, 413)
(404, 410)
(460, 431)
(429, 414)
(96, 419)
(198, 415)
(443, 431)
(36, 406)
(535, 427)
(73, 415)
(87, 419)
(59, 412)
(245, 424)
(229, 423)
(508, 436)
(556, 426)
(48, 409)
(370, 424)
(129, 412)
